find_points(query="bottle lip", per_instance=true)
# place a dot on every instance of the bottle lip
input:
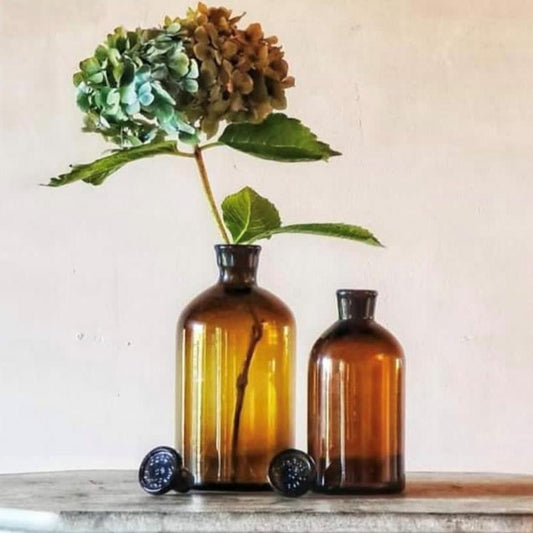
(357, 293)
(249, 247)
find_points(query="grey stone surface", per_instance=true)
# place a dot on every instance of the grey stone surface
(111, 501)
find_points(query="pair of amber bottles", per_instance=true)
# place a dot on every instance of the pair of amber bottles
(236, 388)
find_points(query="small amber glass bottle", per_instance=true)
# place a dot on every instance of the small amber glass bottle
(235, 364)
(355, 402)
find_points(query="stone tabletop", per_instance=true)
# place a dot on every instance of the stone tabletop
(111, 501)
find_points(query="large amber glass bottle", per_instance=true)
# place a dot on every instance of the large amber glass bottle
(235, 364)
(355, 402)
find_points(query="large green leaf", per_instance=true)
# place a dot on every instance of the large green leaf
(327, 229)
(250, 217)
(97, 171)
(247, 214)
(278, 138)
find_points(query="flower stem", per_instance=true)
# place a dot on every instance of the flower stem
(209, 193)
(183, 154)
(210, 145)
(242, 382)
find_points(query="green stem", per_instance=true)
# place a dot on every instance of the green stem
(184, 154)
(210, 145)
(209, 193)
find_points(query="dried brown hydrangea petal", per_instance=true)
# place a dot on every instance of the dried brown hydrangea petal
(209, 72)
(236, 102)
(278, 99)
(262, 54)
(254, 32)
(225, 75)
(212, 31)
(261, 110)
(242, 82)
(229, 49)
(243, 75)
(202, 51)
(288, 82)
(200, 35)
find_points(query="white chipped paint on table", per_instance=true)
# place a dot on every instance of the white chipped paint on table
(111, 501)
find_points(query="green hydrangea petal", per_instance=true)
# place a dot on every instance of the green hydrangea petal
(77, 79)
(96, 78)
(142, 75)
(133, 89)
(129, 73)
(101, 53)
(133, 108)
(90, 66)
(145, 88)
(190, 86)
(82, 100)
(193, 70)
(113, 97)
(162, 94)
(128, 95)
(175, 27)
(146, 99)
(118, 70)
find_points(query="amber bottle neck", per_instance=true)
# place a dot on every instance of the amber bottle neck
(237, 265)
(356, 304)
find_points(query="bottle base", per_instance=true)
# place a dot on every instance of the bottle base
(361, 475)
(385, 488)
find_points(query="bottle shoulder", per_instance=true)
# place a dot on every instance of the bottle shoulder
(219, 300)
(346, 338)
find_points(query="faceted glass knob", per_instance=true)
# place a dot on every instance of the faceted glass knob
(162, 470)
(292, 473)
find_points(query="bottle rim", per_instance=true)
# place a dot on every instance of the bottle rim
(357, 293)
(250, 247)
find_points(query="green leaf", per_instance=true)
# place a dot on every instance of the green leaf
(250, 217)
(247, 214)
(328, 229)
(96, 172)
(278, 138)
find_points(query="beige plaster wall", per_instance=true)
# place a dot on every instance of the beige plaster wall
(431, 103)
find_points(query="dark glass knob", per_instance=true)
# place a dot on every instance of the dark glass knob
(162, 470)
(184, 481)
(292, 473)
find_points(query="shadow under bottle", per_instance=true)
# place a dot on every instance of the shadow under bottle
(356, 402)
